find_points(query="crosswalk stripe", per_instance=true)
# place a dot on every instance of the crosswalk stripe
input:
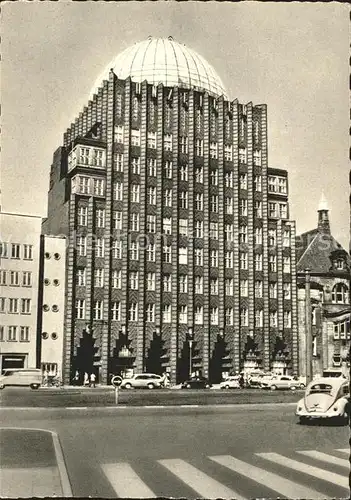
(284, 487)
(326, 475)
(347, 451)
(201, 483)
(324, 457)
(125, 481)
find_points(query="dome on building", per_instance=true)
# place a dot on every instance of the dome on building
(162, 60)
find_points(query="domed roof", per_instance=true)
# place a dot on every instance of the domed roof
(162, 60)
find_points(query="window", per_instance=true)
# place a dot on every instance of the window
(80, 309)
(258, 236)
(98, 309)
(28, 252)
(214, 177)
(198, 256)
(152, 195)
(118, 163)
(258, 209)
(257, 158)
(135, 164)
(135, 138)
(243, 207)
(286, 238)
(167, 195)
(150, 313)
(229, 179)
(151, 162)
(183, 144)
(134, 193)
(243, 234)
(199, 201)
(244, 288)
(26, 278)
(214, 286)
(167, 142)
(272, 210)
(198, 315)
(229, 232)
(283, 210)
(214, 315)
(183, 283)
(99, 278)
(134, 250)
(2, 304)
(150, 253)
(272, 181)
(183, 227)
(243, 261)
(228, 152)
(199, 147)
(287, 291)
(26, 306)
(168, 169)
(134, 222)
(229, 286)
(183, 199)
(117, 220)
(167, 254)
(100, 218)
(272, 264)
(99, 247)
(259, 317)
(24, 334)
(15, 251)
(167, 225)
(134, 280)
(119, 134)
(3, 250)
(84, 184)
(151, 282)
(229, 260)
(340, 294)
(117, 249)
(229, 316)
(167, 283)
(118, 191)
(183, 173)
(3, 275)
(183, 314)
(258, 183)
(273, 319)
(116, 311)
(282, 185)
(242, 155)
(133, 311)
(214, 203)
(273, 290)
(199, 175)
(151, 140)
(82, 216)
(151, 224)
(286, 264)
(14, 278)
(214, 230)
(116, 278)
(258, 289)
(166, 313)
(287, 319)
(199, 284)
(339, 264)
(229, 205)
(258, 262)
(183, 255)
(13, 306)
(214, 258)
(12, 333)
(214, 150)
(243, 181)
(99, 187)
(272, 237)
(244, 316)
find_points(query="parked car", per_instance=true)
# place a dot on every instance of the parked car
(230, 383)
(27, 377)
(325, 398)
(254, 378)
(196, 383)
(142, 381)
(279, 382)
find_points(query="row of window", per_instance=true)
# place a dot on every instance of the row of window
(342, 330)
(15, 333)
(15, 278)
(16, 251)
(87, 156)
(133, 314)
(340, 294)
(15, 306)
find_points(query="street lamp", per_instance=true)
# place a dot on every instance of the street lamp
(308, 326)
(190, 340)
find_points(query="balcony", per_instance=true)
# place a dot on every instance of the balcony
(87, 157)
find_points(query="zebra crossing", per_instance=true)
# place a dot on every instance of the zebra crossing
(127, 483)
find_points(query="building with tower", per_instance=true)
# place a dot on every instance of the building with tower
(180, 254)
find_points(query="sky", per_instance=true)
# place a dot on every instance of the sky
(291, 56)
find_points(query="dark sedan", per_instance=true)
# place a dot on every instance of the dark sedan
(196, 383)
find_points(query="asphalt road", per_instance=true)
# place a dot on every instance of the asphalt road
(244, 451)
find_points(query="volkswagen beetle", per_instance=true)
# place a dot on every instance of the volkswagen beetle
(325, 398)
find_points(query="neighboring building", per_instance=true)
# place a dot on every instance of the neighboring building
(181, 254)
(329, 267)
(19, 278)
(52, 303)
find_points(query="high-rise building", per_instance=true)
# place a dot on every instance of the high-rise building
(181, 254)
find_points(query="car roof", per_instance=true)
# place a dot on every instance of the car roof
(334, 382)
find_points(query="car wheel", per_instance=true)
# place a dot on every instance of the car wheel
(150, 386)
(188, 386)
(302, 385)
(207, 386)
(302, 420)
(34, 386)
(227, 387)
(2, 386)
(293, 388)
(273, 387)
(128, 386)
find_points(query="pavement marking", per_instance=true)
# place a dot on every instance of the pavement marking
(190, 406)
(125, 482)
(325, 475)
(284, 487)
(324, 457)
(347, 451)
(201, 483)
(76, 407)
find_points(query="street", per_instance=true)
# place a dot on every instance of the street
(241, 451)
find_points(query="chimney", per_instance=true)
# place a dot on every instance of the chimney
(323, 216)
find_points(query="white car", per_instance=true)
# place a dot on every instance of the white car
(279, 382)
(230, 383)
(142, 381)
(31, 377)
(326, 397)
